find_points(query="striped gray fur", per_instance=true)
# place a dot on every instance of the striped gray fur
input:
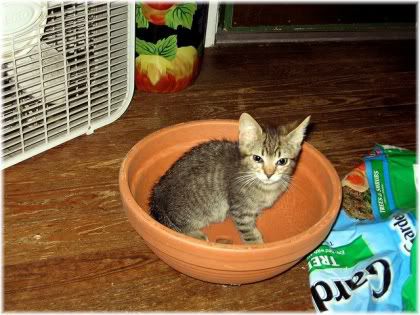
(220, 178)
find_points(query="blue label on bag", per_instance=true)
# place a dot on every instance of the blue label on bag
(373, 282)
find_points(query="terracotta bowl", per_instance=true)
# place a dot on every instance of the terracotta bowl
(297, 223)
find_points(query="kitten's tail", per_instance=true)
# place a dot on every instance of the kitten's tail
(161, 217)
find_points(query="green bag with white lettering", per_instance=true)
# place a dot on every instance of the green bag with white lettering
(390, 173)
(365, 261)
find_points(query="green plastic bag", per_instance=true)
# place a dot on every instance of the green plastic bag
(409, 291)
(389, 171)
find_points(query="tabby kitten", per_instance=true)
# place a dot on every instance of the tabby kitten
(220, 178)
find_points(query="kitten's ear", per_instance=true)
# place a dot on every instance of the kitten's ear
(296, 136)
(249, 130)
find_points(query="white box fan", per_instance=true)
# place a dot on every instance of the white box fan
(67, 68)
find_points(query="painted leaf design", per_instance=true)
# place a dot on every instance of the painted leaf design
(145, 48)
(167, 47)
(141, 21)
(181, 14)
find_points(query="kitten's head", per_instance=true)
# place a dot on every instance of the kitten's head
(270, 153)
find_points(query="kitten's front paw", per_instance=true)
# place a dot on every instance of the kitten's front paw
(254, 237)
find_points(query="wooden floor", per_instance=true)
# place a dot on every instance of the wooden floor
(67, 242)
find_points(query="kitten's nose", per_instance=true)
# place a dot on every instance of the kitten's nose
(269, 174)
(269, 171)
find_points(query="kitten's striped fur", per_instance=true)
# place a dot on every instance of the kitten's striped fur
(220, 178)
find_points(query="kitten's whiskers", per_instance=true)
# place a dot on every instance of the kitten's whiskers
(245, 180)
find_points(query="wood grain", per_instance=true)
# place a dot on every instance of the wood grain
(67, 243)
(254, 15)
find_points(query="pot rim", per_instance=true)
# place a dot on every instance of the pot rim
(131, 204)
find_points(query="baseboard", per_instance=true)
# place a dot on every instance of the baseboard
(225, 37)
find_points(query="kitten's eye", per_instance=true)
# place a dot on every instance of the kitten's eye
(257, 158)
(282, 161)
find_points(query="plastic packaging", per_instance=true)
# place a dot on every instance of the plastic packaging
(364, 263)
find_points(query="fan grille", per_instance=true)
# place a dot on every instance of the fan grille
(75, 79)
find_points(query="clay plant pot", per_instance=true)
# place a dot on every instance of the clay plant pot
(297, 223)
